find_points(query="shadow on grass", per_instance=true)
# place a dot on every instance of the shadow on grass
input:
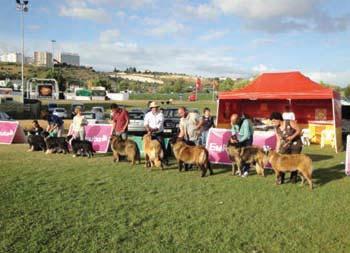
(323, 176)
(316, 157)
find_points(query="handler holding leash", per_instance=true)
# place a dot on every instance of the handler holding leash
(154, 124)
(242, 129)
(120, 118)
(55, 124)
(288, 140)
(77, 128)
(189, 126)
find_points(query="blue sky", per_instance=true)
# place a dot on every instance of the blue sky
(210, 38)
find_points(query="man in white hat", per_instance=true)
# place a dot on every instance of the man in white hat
(154, 124)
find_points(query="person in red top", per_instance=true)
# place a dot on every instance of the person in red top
(120, 118)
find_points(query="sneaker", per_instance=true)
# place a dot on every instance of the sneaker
(245, 174)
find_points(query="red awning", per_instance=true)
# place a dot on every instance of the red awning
(287, 85)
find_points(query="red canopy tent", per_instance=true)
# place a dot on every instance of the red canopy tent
(271, 92)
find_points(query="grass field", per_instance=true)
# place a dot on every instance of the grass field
(58, 203)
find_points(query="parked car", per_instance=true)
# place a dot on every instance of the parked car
(172, 120)
(73, 106)
(4, 116)
(60, 112)
(136, 117)
(91, 118)
(99, 111)
(51, 107)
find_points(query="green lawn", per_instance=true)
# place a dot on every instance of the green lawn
(57, 203)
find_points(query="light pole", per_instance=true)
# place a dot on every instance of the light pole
(53, 54)
(22, 6)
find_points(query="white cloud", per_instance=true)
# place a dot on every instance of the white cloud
(258, 9)
(272, 16)
(109, 36)
(261, 68)
(95, 14)
(341, 78)
(168, 28)
(262, 42)
(213, 35)
(203, 11)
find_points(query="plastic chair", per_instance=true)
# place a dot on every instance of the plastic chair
(327, 137)
(305, 137)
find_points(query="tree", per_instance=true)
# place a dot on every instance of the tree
(58, 76)
(227, 84)
(347, 91)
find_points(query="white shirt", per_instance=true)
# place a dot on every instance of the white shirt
(189, 125)
(154, 121)
(78, 123)
(288, 116)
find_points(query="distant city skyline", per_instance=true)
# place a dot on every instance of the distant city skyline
(210, 38)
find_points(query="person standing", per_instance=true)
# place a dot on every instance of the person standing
(154, 124)
(242, 130)
(207, 122)
(288, 140)
(55, 125)
(77, 129)
(189, 126)
(120, 118)
(288, 114)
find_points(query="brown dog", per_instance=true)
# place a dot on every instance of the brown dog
(197, 155)
(288, 163)
(153, 151)
(250, 154)
(126, 148)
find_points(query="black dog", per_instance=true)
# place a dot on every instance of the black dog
(81, 147)
(36, 143)
(55, 144)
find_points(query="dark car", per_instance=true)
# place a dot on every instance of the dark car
(171, 121)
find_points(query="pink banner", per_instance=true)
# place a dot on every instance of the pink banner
(218, 138)
(347, 158)
(99, 135)
(11, 132)
(216, 145)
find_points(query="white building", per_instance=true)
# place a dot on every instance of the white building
(11, 57)
(69, 58)
(43, 59)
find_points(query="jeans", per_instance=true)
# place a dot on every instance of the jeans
(203, 138)
(246, 143)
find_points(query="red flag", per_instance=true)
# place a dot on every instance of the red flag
(198, 84)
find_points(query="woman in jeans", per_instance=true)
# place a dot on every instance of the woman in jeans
(206, 123)
(288, 140)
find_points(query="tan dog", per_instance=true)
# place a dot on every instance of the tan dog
(288, 163)
(153, 152)
(126, 148)
(197, 155)
(250, 154)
